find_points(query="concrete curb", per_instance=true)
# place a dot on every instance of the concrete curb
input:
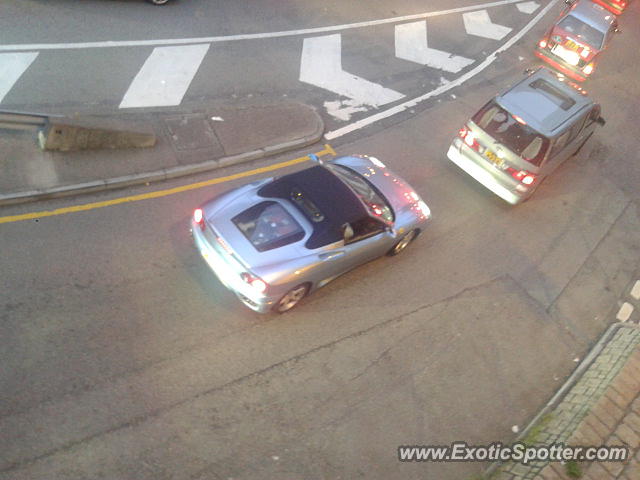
(162, 174)
(566, 387)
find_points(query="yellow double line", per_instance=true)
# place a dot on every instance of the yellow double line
(163, 193)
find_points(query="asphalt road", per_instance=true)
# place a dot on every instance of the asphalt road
(123, 357)
(76, 67)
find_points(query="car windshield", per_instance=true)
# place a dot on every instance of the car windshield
(370, 196)
(582, 30)
(268, 225)
(512, 133)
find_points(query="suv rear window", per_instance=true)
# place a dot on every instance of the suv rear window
(582, 30)
(513, 134)
(268, 225)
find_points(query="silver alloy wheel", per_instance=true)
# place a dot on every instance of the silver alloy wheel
(404, 242)
(291, 298)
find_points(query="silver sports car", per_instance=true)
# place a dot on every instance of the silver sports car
(273, 241)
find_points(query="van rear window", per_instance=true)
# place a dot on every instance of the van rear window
(581, 30)
(518, 137)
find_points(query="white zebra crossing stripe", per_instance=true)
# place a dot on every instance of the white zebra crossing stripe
(321, 65)
(479, 24)
(527, 7)
(165, 76)
(12, 66)
(411, 44)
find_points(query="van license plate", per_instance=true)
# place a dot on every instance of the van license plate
(497, 161)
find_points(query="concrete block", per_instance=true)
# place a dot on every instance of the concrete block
(69, 137)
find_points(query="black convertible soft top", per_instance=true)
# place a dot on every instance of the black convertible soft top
(336, 202)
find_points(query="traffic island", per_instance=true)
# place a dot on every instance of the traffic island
(98, 153)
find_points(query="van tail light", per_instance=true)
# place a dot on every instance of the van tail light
(198, 217)
(588, 68)
(255, 282)
(526, 178)
(470, 139)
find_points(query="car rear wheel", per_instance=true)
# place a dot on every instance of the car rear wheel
(291, 298)
(403, 243)
(158, 2)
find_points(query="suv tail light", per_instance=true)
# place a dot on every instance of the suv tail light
(526, 178)
(470, 139)
(588, 68)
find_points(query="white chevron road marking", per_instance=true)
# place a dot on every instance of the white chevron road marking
(411, 44)
(527, 7)
(408, 104)
(165, 76)
(479, 24)
(12, 66)
(321, 66)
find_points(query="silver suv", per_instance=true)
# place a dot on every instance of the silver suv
(522, 135)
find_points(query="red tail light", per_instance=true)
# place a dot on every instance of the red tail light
(198, 217)
(526, 178)
(588, 68)
(469, 138)
(255, 282)
(542, 43)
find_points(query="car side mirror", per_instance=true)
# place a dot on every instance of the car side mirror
(314, 158)
(569, 2)
(600, 121)
(347, 232)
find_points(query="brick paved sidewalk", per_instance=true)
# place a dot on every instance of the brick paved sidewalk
(599, 405)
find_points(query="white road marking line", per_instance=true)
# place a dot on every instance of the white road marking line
(321, 65)
(527, 7)
(635, 291)
(443, 88)
(12, 66)
(625, 312)
(247, 36)
(479, 24)
(343, 109)
(165, 76)
(411, 44)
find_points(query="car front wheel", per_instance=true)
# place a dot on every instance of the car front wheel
(158, 2)
(291, 298)
(403, 243)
